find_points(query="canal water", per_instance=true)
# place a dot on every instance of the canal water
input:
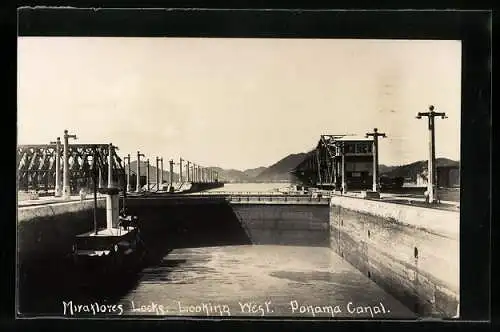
(259, 280)
(203, 264)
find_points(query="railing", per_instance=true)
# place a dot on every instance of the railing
(238, 193)
(278, 199)
(261, 193)
(249, 197)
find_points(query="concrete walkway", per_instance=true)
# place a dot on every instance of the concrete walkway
(408, 199)
(54, 200)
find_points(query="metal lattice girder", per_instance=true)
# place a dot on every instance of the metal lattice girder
(319, 165)
(326, 151)
(36, 163)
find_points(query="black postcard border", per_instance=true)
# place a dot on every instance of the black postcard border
(473, 28)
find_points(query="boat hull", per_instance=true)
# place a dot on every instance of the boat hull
(103, 256)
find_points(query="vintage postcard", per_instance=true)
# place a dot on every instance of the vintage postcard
(238, 177)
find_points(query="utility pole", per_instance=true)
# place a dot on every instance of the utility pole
(344, 178)
(375, 134)
(101, 181)
(431, 168)
(161, 172)
(57, 157)
(157, 173)
(147, 174)
(188, 169)
(127, 158)
(138, 184)
(66, 185)
(171, 175)
(180, 170)
(110, 165)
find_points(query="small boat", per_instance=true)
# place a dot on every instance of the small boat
(109, 250)
(118, 248)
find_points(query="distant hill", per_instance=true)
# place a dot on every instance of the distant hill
(254, 172)
(386, 169)
(234, 175)
(280, 171)
(414, 169)
(225, 175)
(231, 175)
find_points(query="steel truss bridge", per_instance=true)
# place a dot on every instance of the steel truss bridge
(36, 165)
(322, 167)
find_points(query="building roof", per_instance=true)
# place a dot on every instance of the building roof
(354, 139)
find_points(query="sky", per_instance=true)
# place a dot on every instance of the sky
(238, 103)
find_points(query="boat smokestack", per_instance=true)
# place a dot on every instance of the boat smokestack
(112, 206)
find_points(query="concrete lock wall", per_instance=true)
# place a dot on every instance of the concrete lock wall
(285, 224)
(47, 231)
(411, 252)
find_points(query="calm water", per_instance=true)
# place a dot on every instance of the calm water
(279, 280)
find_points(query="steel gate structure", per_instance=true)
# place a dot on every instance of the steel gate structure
(319, 169)
(332, 158)
(36, 166)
